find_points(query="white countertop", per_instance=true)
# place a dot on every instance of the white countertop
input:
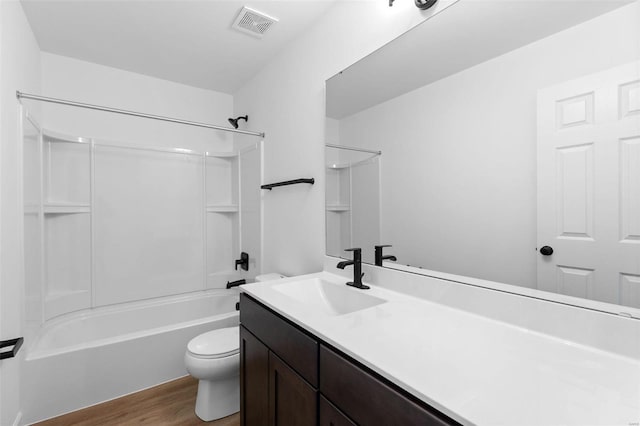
(474, 369)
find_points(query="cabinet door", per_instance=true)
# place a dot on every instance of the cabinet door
(254, 380)
(291, 344)
(331, 416)
(292, 401)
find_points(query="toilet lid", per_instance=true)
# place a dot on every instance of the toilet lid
(217, 343)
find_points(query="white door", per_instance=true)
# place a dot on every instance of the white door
(589, 186)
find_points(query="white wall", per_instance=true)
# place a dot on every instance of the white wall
(286, 100)
(19, 70)
(461, 185)
(87, 82)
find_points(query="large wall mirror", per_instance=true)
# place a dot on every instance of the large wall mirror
(497, 140)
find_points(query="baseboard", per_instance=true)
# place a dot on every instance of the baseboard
(18, 420)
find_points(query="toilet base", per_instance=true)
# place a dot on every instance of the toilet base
(218, 398)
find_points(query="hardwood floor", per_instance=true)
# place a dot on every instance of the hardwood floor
(172, 403)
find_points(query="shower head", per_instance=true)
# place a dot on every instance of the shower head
(234, 121)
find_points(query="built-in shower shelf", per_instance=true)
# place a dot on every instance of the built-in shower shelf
(338, 208)
(222, 208)
(222, 154)
(66, 208)
(338, 166)
(51, 136)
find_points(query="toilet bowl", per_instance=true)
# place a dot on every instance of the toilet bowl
(214, 359)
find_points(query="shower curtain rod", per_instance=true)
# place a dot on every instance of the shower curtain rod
(348, 148)
(21, 95)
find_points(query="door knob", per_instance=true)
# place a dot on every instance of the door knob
(546, 251)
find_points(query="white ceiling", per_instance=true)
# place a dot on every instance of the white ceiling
(187, 41)
(465, 34)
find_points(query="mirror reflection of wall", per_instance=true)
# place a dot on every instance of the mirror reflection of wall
(459, 187)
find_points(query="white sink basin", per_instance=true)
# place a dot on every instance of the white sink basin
(327, 297)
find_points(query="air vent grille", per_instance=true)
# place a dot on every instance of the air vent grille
(252, 22)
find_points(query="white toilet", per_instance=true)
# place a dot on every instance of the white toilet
(214, 359)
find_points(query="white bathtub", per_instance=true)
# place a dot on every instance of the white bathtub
(87, 357)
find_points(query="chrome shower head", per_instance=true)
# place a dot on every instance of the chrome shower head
(234, 121)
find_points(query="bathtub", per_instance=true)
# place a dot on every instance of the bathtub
(91, 356)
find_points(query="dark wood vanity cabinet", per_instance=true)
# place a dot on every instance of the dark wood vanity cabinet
(278, 370)
(292, 401)
(254, 380)
(330, 415)
(290, 378)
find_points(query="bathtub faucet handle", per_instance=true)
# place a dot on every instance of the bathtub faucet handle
(243, 261)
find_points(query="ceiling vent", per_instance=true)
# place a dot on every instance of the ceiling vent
(252, 22)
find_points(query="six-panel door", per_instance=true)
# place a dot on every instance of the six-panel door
(589, 186)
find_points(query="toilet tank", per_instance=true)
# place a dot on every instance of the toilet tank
(269, 277)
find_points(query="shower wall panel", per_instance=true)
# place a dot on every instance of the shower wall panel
(149, 230)
(250, 211)
(32, 196)
(67, 262)
(109, 222)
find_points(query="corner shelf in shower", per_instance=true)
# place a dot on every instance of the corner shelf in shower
(51, 136)
(338, 208)
(338, 166)
(225, 154)
(222, 208)
(66, 208)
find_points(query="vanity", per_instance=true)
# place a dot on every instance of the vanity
(315, 351)
(292, 377)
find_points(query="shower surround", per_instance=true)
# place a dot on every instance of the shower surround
(128, 248)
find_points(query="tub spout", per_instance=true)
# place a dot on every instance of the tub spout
(235, 283)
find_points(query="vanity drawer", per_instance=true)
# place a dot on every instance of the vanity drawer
(296, 348)
(366, 399)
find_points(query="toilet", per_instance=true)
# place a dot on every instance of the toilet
(214, 359)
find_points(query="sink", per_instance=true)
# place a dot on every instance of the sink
(327, 297)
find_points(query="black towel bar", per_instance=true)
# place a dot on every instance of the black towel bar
(288, 182)
(16, 343)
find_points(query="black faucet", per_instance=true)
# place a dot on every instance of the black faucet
(243, 261)
(235, 283)
(380, 257)
(357, 268)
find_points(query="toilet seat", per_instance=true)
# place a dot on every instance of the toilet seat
(215, 344)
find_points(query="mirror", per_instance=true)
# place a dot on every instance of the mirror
(509, 140)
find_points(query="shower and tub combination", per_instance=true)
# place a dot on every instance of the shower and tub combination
(128, 248)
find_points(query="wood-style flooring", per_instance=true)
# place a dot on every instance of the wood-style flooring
(171, 403)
